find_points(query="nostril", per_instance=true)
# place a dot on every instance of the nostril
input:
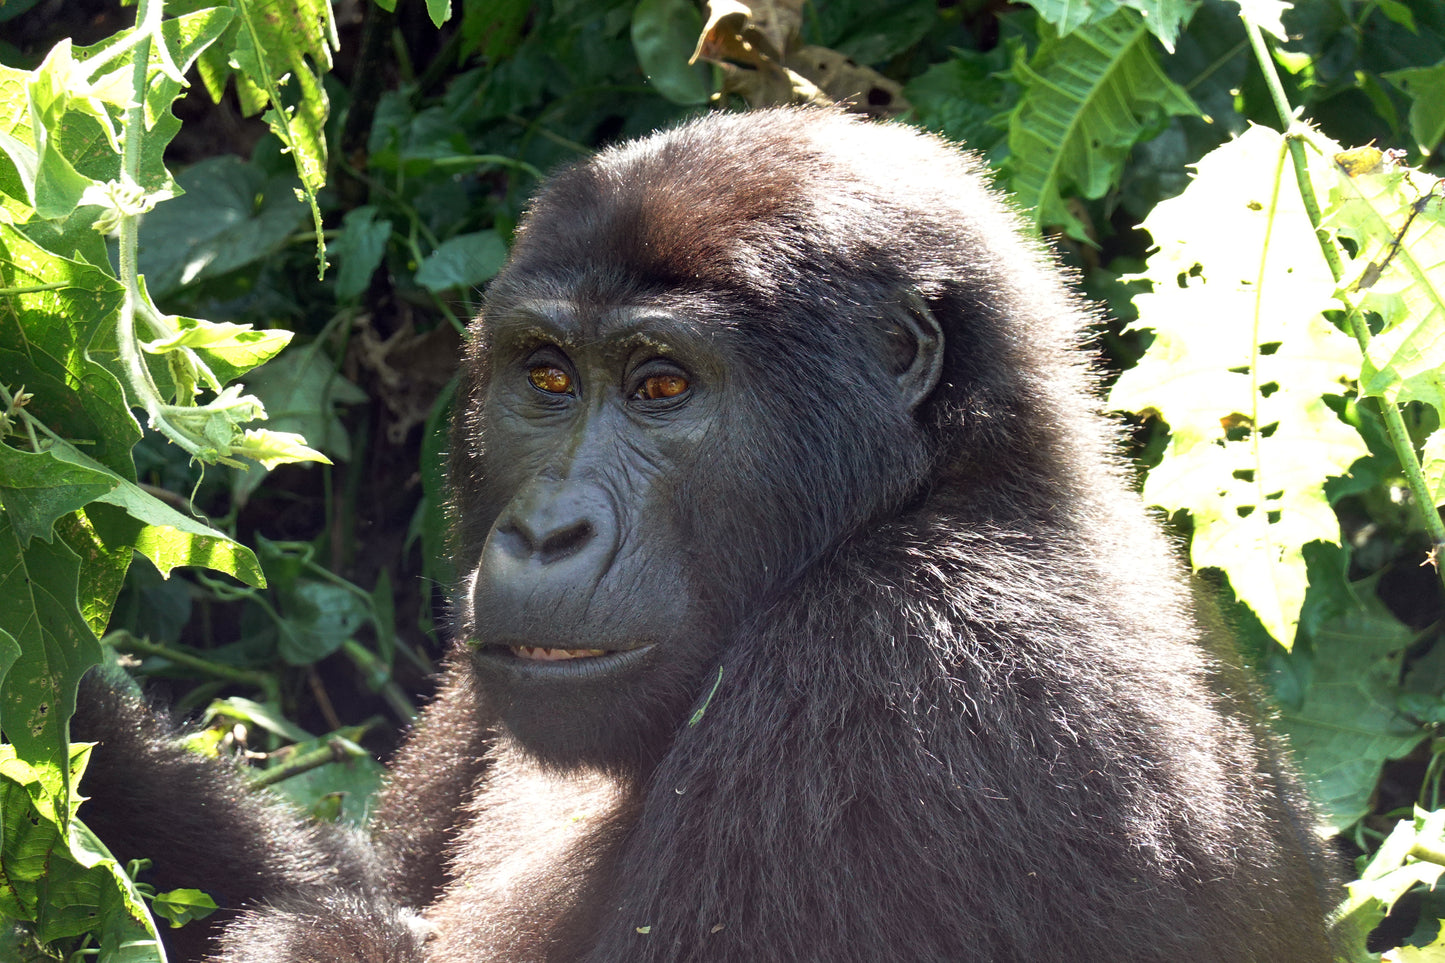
(513, 540)
(565, 542)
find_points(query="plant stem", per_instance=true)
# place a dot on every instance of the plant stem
(1394, 422)
(1429, 852)
(143, 387)
(336, 749)
(126, 642)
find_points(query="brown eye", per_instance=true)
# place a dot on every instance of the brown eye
(551, 379)
(662, 386)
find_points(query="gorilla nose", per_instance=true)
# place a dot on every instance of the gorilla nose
(550, 525)
(546, 542)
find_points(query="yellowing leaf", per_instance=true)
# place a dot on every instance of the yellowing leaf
(1241, 359)
(272, 448)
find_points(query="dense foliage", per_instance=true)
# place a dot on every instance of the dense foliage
(1280, 327)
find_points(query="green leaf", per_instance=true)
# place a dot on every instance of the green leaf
(349, 783)
(83, 138)
(227, 350)
(56, 89)
(182, 906)
(1089, 98)
(966, 99)
(1346, 725)
(1241, 360)
(875, 31)
(9, 652)
(359, 249)
(39, 585)
(37, 489)
(1426, 89)
(664, 34)
(282, 47)
(128, 933)
(170, 539)
(34, 810)
(44, 337)
(464, 261)
(317, 618)
(17, 141)
(301, 390)
(1398, 272)
(255, 714)
(56, 874)
(102, 536)
(1390, 874)
(230, 216)
(1432, 463)
(273, 448)
(165, 536)
(440, 11)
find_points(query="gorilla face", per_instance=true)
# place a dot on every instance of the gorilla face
(653, 473)
(587, 616)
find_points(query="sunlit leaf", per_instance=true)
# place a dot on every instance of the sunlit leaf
(1241, 361)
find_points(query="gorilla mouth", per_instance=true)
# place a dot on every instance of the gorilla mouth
(539, 654)
(517, 663)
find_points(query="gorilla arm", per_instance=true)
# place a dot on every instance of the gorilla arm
(198, 822)
(418, 813)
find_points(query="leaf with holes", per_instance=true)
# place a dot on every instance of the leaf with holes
(1241, 362)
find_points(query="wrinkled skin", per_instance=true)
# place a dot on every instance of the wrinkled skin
(809, 615)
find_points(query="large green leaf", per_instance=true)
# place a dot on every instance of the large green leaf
(74, 145)
(277, 51)
(230, 216)
(9, 652)
(465, 261)
(55, 874)
(36, 489)
(1241, 361)
(1426, 87)
(52, 310)
(39, 584)
(287, 44)
(1346, 725)
(162, 534)
(1089, 98)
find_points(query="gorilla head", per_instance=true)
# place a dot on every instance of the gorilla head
(715, 354)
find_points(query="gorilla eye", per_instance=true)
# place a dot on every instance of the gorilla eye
(661, 386)
(551, 379)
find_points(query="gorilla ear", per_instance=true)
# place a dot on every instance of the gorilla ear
(916, 347)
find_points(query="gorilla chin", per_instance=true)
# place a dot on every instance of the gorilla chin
(588, 711)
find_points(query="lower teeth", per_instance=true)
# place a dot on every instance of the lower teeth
(536, 653)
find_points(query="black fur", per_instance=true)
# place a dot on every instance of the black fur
(915, 676)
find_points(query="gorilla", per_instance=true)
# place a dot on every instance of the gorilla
(809, 615)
